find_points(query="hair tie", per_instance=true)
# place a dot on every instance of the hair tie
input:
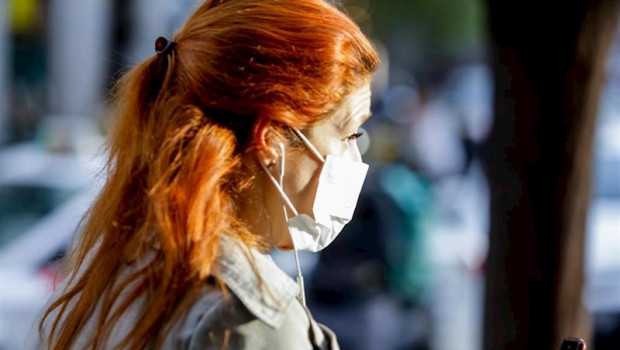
(164, 46)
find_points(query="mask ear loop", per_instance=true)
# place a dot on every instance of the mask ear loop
(300, 278)
(283, 195)
(309, 144)
(279, 186)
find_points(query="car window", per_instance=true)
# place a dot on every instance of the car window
(22, 206)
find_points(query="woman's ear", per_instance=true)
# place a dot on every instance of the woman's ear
(267, 145)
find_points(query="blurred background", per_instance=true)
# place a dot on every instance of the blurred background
(407, 273)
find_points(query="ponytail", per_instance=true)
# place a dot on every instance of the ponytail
(167, 198)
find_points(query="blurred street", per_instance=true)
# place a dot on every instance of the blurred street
(407, 273)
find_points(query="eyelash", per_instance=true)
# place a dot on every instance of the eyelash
(355, 136)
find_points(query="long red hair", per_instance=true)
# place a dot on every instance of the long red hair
(174, 172)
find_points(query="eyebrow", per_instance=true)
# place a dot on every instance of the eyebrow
(349, 120)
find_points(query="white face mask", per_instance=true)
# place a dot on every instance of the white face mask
(340, 183)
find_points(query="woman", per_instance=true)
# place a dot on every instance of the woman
(236, 137)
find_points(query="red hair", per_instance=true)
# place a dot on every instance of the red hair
(175, 171)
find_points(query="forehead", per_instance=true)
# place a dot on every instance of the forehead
(355, 107)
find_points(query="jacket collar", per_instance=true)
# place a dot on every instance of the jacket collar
(264, 289)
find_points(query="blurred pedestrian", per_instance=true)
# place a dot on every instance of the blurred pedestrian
(239, 135)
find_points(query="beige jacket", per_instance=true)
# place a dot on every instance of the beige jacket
(268, 316)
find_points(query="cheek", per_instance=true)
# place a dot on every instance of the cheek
(301, 179)
(309, 192)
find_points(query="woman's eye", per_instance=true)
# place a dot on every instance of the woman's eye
(355, 136)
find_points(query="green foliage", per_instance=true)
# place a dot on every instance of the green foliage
(423, 28)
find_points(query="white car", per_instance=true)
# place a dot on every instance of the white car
(42, 198)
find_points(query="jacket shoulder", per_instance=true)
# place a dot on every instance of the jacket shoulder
(219, 321)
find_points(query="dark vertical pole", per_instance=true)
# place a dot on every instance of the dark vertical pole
(4, 73)
(548, 63)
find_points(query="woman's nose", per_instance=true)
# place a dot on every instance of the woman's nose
(354, 153)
